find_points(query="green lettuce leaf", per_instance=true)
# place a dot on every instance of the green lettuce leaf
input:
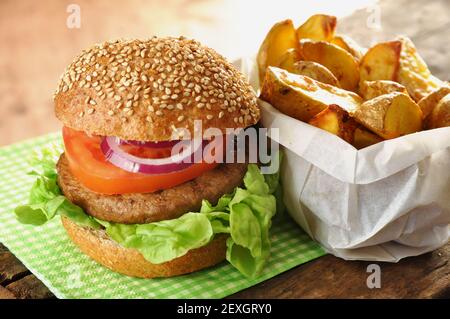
(45, 200)
(245, 215)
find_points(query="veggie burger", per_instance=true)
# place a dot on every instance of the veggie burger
(125, 197)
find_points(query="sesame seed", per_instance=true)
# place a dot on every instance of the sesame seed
(159, 113)
(176, 68)
(180, 118)
(209, 117)
(90, 111)
(111, 112)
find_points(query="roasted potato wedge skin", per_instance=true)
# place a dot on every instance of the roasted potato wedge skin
(280, 38)
(363, 138)
(428, 102)
(288, 59)
(414, 73)
(440, 115)
(381, 62)
(349, 45)
(371, 89)
(399, 61)
(341, 63)
(390, 115)
(315, 71)
(302, 97)
(318, 27)
(337, 121)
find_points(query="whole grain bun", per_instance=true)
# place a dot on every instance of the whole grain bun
(97, 245)
(146, 90)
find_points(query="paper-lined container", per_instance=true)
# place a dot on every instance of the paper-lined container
(385, 202)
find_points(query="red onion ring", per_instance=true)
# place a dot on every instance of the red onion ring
(163, 144)
(118, 157)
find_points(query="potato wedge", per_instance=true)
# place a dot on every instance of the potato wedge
(288, 59)
(381, 62)
(280, 38)
(440, 115)
(399, 61)
(318, 27)
(371, 89)
(341, 63)
(363, 138)
(349, 45)
(337, 121)
(428, 103)
(302, 97)
(315, 71)
(414, 73)
(390, 115)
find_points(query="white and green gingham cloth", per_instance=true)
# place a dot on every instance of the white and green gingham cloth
(55, 260)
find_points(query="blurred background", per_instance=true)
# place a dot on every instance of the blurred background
(39, 38)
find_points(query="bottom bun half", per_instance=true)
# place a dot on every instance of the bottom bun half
(97, 245)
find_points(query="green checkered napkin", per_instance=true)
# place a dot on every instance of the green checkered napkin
(53, 258)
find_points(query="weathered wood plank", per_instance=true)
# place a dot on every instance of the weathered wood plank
(426, 276)
(11, 268)
(6, 294)
(29, 287)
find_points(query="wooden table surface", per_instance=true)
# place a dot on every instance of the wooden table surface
(36, 46)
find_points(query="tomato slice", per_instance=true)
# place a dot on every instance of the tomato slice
(88, 164)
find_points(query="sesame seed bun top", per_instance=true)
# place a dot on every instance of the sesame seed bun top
(146, 90)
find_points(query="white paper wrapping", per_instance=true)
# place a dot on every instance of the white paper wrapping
(385, 202)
